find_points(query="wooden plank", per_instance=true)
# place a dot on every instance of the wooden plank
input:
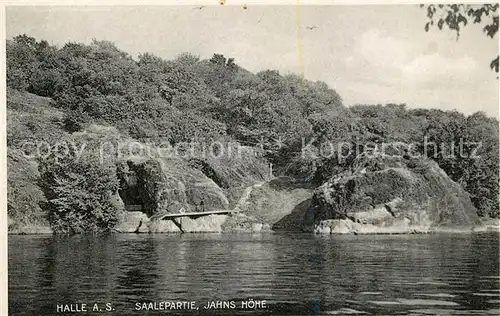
(133, 207)
(196, 214)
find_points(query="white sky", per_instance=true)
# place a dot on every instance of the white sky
(369, 54)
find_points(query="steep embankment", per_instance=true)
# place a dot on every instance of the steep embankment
(24, 197)
(173, 185)
(385, 194)
(278, 204)
(169, 184)
(139, 222)
(379, 195)
(33, 125)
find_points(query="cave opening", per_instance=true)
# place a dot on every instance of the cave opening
(132, 191)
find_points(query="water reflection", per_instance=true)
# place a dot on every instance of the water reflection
(295, 273)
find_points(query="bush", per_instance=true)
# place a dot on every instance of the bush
(80, 190)
(24, 197)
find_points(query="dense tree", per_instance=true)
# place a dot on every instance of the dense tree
(80, 190)
(467, 149)
(188, 99)
(30, 65)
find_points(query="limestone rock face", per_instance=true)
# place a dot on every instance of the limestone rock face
(323, 227)
(132, 222)
(138, 222)
(178, 185)
(392, 195)
(163, 227)
(171, 185)
(117, 202)
(236, 170)
(205, 224)
(277, 204)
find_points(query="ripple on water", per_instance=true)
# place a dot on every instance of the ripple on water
(370, 293)
(422, 283)
(434, 311)
(426, 302)
(432, 283)
(444, 295)
(346, 311)
(385, 302)
(486, 294)
(421, 302)
(275, 267)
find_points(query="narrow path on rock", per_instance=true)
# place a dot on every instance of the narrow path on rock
(246, 195)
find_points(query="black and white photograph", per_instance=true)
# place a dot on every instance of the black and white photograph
(230, 157)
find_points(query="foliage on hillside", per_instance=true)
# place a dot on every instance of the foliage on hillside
(54, 92)
(24, 196)
(80, 187)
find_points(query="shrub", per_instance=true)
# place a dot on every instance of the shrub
(24, 197)
(79, 190)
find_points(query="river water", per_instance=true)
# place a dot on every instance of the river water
(296, 274)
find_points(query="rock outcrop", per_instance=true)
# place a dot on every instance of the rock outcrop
(234, 172)
(380, 194)
(277, 204)
(138, 222)
(169, 185)
(132, 222)
(385, 194)
(179, 185)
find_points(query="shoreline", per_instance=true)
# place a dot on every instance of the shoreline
(442, 230)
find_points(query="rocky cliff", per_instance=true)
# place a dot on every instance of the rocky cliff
(278, 204)
(179, 184)
(379, 194)
(385, 194)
